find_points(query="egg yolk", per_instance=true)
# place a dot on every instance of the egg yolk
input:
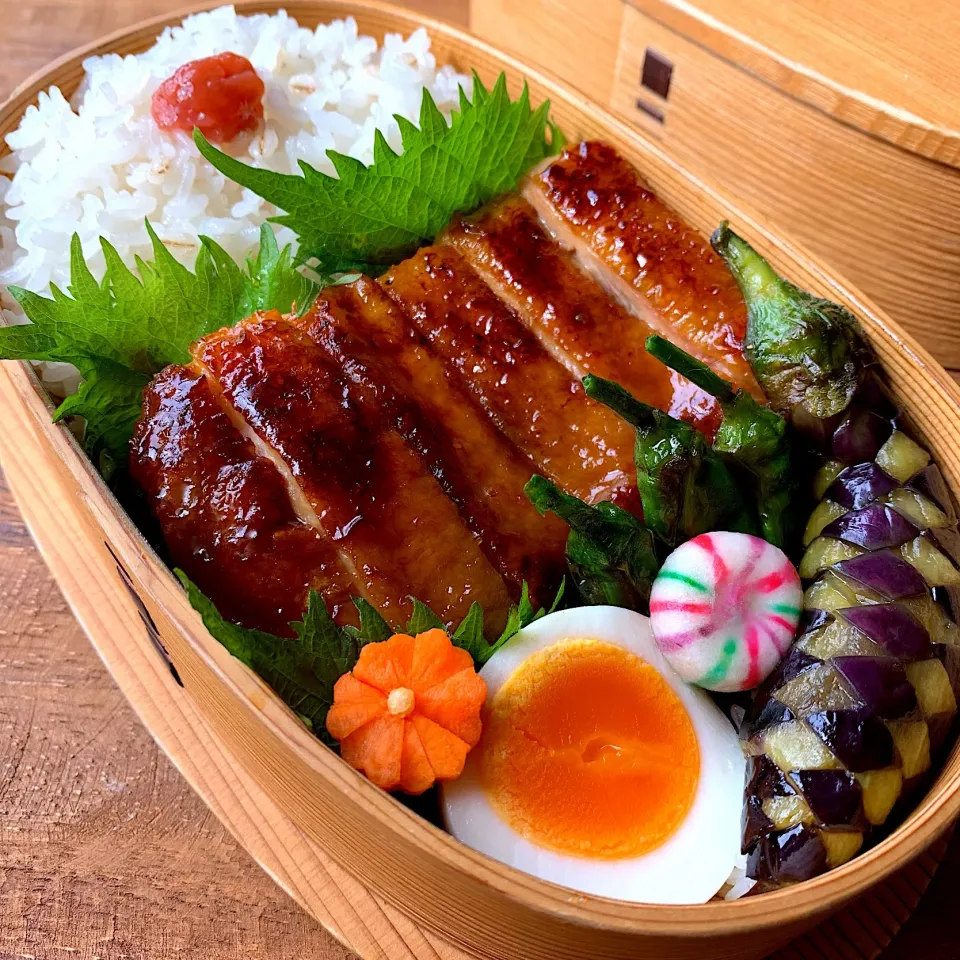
(587, 750)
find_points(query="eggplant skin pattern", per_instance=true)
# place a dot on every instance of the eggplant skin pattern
(851, 720)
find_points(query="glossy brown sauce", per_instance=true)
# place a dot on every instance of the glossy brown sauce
(578, 443)
(386, 514)
(225, 513)
(477, 466)
(600, 200)
(569, 311)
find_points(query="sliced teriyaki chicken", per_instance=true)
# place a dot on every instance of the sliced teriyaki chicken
(476, 465)
(225, 513)
(534, 400)
(378, 446)
(348, 475)
(351, 474)
(568, 311)
(658, 267)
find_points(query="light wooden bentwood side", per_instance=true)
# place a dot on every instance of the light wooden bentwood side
(434, 890)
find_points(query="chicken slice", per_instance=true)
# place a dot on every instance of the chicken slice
(480, 469)
(568, 311)
(349, 472)
(659, 268)
(225, 513)
(581, 445)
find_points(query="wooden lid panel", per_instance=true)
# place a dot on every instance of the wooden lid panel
(883, 66)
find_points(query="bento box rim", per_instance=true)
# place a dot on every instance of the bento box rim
(902, 355)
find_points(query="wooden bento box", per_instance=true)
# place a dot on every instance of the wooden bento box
(839, 121)
(428, 893)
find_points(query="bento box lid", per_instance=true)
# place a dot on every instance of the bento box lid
(884, 66)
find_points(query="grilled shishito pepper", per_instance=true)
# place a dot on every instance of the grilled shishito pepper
(848, 722)
(685, 487)
(753, 438)
(610, 552)
(808, 354)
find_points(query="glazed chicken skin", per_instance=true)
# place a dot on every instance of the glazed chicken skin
(350, 473)
(660, 269)
(478, 467)
(225, 512)
(378, 445)
(533, 399)
(571, 314)
(348, 479)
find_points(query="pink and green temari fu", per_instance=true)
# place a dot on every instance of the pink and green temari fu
(724, 610)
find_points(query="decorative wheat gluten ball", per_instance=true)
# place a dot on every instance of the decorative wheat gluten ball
(724, 610)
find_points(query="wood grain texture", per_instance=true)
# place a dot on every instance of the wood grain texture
(105, 850)
(34, 32)
(862, 193)
(717, 115)
(108, 855)
(584, 37)
(877, 65)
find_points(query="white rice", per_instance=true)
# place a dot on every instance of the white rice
(738, 883)
(97, 165)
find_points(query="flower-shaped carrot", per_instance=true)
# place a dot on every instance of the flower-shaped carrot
(409, 711)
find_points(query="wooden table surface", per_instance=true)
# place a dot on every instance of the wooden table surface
(105, 852)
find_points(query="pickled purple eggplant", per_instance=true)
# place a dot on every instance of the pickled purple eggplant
(788, 856)
(834, 796)
(857, 737)
(859, 485)
(883, 572)
(856, 711)
(872, 527)
(891, 627)
(861, 436)
(880, 683)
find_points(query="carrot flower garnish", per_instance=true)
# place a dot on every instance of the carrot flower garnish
(408, 713)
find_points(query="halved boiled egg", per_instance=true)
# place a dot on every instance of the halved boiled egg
(598, 768)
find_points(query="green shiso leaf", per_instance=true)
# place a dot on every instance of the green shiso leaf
(273, 282)
(469, 635)
(109, 399)
(373, 628)
(122, 330)
(303, 669)
(423, 619)
(367, 218)
(143, 323)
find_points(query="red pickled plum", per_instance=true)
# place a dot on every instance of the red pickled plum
(221, 95)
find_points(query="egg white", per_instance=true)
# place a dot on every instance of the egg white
(695, 861)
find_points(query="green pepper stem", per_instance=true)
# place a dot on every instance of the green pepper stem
(640, 415)
(696, 372)
(756, 278)
(546, 496)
